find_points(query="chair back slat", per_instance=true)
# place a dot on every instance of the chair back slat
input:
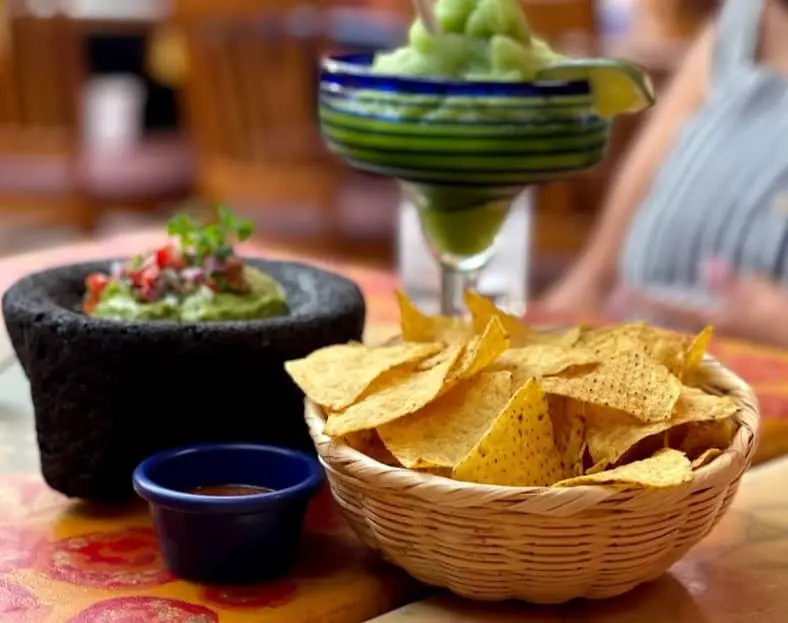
(250, 91)
(40, 82)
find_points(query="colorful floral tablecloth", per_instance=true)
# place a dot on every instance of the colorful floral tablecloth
(62, 561)
(67, 562)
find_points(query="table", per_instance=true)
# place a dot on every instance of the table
(59, 558)
(737, 575)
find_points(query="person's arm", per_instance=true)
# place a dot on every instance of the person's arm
(589, 280)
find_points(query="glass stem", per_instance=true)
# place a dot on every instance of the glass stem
(454, 283)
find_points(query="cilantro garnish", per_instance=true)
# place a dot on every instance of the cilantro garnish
(212, 239)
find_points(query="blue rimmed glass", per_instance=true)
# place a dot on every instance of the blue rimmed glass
(463, 150)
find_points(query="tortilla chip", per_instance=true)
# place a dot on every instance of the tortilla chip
(697, 437)
(569, 428)
(439, 358)
(542, 360)
(706, 458)
(646, 448)
(696, 352)
(416, 327)
(566, 339)
(518, 450)
(630, 381)
(668, 468)
(596, 468)
(335, 377)
(369, 442)
(446, 430)
(481, 351)
(611, 433)
(666, 347)
(572, 336)
(519, 333)
(669, 351)
(395, 395)
(611, 339)
(483, 310)
(697, 405)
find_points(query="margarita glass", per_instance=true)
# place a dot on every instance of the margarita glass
(462, 149)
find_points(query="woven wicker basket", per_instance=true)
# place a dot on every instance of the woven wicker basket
(536, 544)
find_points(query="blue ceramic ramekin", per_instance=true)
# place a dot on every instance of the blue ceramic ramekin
(228, 540)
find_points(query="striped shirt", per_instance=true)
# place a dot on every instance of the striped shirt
(721, 193)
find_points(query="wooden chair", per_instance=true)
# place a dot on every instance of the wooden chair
(40, 82)
(250, 102)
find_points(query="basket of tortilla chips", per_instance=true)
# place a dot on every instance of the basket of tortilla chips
(503, 462)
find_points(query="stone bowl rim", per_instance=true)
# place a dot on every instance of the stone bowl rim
(51, 310)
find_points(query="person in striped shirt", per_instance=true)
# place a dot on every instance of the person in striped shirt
(695, 229)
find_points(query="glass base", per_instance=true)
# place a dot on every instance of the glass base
(454, 283)
(427, 299)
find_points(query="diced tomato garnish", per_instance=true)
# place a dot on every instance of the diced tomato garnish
(146, 276)
(148, 281)
(234, 263)
(168, 257)
(146, 292)
(149, 275)
(95, 283)
(234, 273)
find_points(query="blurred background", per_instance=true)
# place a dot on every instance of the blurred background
(113, 113)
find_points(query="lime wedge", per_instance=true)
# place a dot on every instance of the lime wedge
(619, 87)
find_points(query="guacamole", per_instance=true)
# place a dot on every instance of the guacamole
(195, 277)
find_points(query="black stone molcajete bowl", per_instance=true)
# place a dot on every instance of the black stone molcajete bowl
(109, 393)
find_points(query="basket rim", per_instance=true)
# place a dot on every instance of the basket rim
(718, 378)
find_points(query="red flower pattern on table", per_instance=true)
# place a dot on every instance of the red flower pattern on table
(18, 547)
(123, 559)
(274, 594)
(18, 605)
(145, 610)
